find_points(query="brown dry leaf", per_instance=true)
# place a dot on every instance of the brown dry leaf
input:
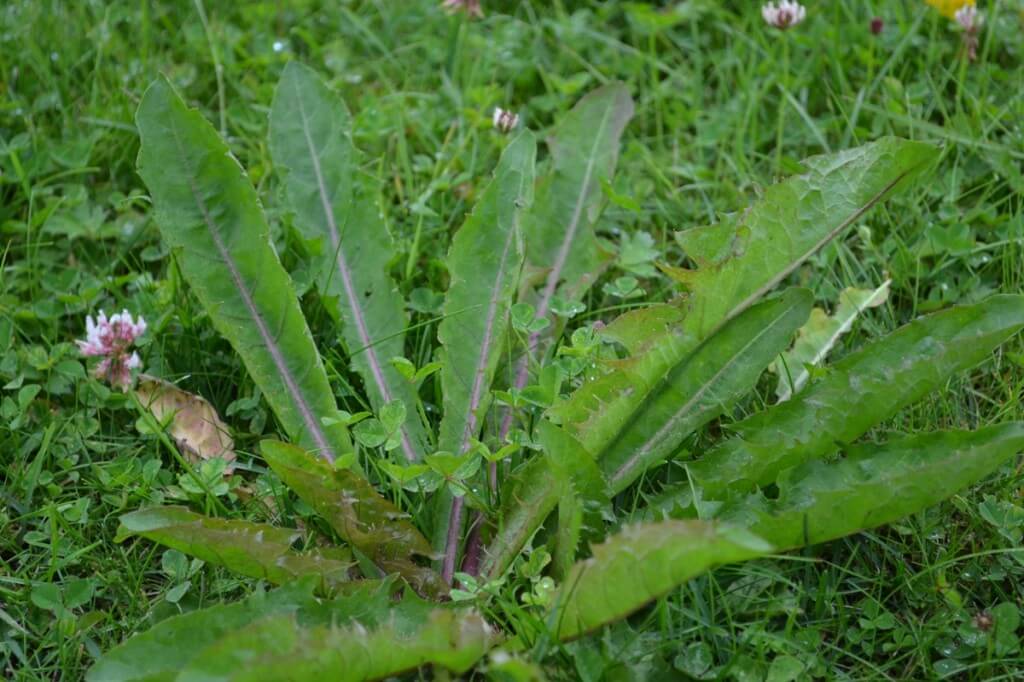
(191, 421)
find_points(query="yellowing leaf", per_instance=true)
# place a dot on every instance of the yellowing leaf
(191, 421)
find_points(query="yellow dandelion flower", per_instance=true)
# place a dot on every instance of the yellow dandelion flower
(949, 7)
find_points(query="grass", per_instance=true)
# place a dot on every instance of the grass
(724, 106)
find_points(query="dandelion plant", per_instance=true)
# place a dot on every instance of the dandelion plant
(539, 425)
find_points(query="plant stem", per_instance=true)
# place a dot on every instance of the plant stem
(451, 551)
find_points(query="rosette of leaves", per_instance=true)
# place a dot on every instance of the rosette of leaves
(580, 418)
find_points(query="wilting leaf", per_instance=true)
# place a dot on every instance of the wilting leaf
(168, 647)
(874, 484)
(700, 388)
(357, 513)
(484, 262)
(257, 550)
(858, 392)
(280, 648)
(640, 564)
(208, 211)
(336, 206)
(191, 421)
(745, 257)
(820, 334)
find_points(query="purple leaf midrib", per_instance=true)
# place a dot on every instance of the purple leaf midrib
(551, 284)
(476, 394)
(346, 279)
(475, 398)
(319, 437)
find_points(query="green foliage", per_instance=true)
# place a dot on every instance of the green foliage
(701, 387)
(287, 632)
(858, 392)
(337, 208)
(726, 105)
(357, 513)
(209, 213)
(638, 390)
(740, 261)
(744, 258)
(877, 484)
(820, 335)
(562, 248)
(278, 647)
(484, 262)
(641, 563)
(257, 550)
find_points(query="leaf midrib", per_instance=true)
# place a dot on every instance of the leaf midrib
(346, 278)
(574, 224)
(681, 413)
(323, 447)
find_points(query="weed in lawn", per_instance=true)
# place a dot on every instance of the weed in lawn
(723, 107)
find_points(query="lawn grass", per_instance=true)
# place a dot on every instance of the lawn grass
(724, 106)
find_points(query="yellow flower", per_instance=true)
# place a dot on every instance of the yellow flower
(949, 7)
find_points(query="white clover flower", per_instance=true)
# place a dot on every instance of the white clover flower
(111, 339)
(470, 7)
(969, 18)
(505, 121)
(787, 14)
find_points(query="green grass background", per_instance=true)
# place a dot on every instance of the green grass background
(724, 106)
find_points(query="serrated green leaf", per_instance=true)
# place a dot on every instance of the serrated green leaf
(741, 260)
(562, 251)
(640, 564)
(279, 648)
(682, 400)
(873, 485)
(484, 263)
(584, 491)
(820, 334)
(160, 652)
(257, 550)
(750, 253)
(745, 257)
(528, 495)
(336, 206)
(357, 513)
(699, 389)
(858, 392)
(208, 211)
(559, 229)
